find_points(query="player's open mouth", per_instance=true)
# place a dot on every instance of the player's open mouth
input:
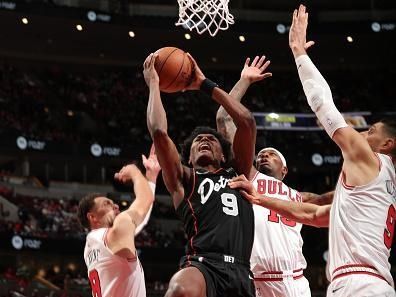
(204, 147)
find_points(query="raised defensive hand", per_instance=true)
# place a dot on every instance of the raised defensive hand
(152, 165)
(256, 70)
(246, 188)
(127, 174)
(298, 32)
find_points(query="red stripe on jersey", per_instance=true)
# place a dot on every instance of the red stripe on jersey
(257, 172)
(343, 182)
(105, 237)
(194, 217)
(193, 186)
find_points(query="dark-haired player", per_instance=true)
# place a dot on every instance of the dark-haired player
(219, 223)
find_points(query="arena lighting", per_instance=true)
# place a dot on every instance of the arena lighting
(187, 36)
(242, 38)
(349, 39)
(41, 272)
(376, 27)
(56, 268)
(273, 115)
(281, 29)
(124, 203)
(131, 34)
(79, 27)
(25, 21)
(70, 113)
(214, 59)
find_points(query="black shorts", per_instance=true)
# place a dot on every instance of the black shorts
(225, 276)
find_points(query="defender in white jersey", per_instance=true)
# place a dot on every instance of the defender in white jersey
(277, 261)
(363, 215)
(110, 254)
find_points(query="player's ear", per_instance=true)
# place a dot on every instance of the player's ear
(284, 171)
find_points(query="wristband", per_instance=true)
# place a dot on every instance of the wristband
(207, 86)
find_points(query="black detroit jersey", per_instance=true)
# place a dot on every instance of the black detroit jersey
(217, 219)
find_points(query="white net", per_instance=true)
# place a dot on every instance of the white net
(204, 15)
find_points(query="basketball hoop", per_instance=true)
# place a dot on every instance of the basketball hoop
(204, 15)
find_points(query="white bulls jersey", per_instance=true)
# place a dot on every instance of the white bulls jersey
(277, 240)
(109, 274)
(362, 225)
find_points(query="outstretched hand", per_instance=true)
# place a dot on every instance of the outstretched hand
(152, 165)
(256, 70)
(246, 188)
(149, 72)
(197, 75)
(298, 32)
(127, 174)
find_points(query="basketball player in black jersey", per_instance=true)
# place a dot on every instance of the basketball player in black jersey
(219, 223)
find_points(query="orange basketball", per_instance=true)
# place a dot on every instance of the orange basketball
(174, 69)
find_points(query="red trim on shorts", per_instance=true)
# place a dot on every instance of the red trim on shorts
(298, 276)
(277, 279)
(131, 259)
(354, 265)
(358, 272)
(195, 220)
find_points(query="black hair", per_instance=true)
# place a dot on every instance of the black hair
(390, 129)
(84, 206)
(225, 145)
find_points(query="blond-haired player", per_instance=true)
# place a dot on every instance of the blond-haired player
(362, 217)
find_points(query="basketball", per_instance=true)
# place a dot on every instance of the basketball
(174, 69)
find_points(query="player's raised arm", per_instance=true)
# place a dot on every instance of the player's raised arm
(304, 213)
(168, 156)
(119, 237)
(250, 74)
(245, 135)
(152, 170)
(360, 163)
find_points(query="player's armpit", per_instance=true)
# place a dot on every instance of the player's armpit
(361, 165)
(119, 239)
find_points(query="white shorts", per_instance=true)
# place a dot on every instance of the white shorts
(288, 287)
(360, 285)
